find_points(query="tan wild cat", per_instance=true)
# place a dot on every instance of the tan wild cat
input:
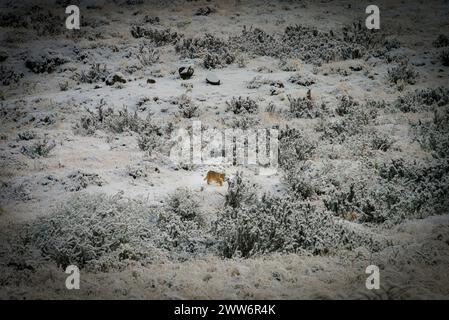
(215, 176)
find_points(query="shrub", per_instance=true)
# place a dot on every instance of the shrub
(346, 106)
(183, 203)
(150, 139)
(158, 36)
(79, 180)
(317, 47)
(244, 121)
(433, 136)
(302, 181)
(204, 11)
(273, 225)
(38, 149)
(294, 146)
(402, 74)
(215, 52)
(402, 190)
(421, 100)
(356, 33)
(147, 56)
(381, 142)
(257, 42)
(45, 63)
(108, 119)
(187, 108)
(9, 76)
(441, 41)
(354, 123)
(214, 60)
(97, 232)
(242, 105)
(26, 135)
(303, 107)
(96, 73)
(299, 79)
(240, 191)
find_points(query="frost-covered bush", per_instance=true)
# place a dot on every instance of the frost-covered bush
(441, 41)
(304, 107)
(184, 203)
(95, 73)
(38, 149)
(257, 82)
(183, 239)
(354, 123)
(27, 135)
(214, 60)
(204, 11)
(78, 180)
(299, 79)
(422, 100)
(257, 42)
(109, 120)
(159, 36)
(121, 121)
(214, 51)
(97, 232)
(356, 33)
(147, 56)
(182, 226)
(45, 63)
(244, 121)
(381, 141)
(187, 109)
(273, 224)
(294, 146)
(400, 190)
(240, 191)
(150, 139)
(346, 105)
(302, 181)
(402, 74)
(317, 47)
(242, 105)
(9, 76)
(433, 135)
(308, 44)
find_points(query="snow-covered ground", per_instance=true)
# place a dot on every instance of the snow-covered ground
(394, 154)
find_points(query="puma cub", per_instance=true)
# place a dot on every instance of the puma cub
(215, 176)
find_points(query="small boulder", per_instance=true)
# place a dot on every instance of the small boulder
(151, 81)
(211, 78)
(186, 72)
(115, 77)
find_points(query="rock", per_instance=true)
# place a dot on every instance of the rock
(151, 81)
(212, 79)
(186, 72)
(115, 77)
